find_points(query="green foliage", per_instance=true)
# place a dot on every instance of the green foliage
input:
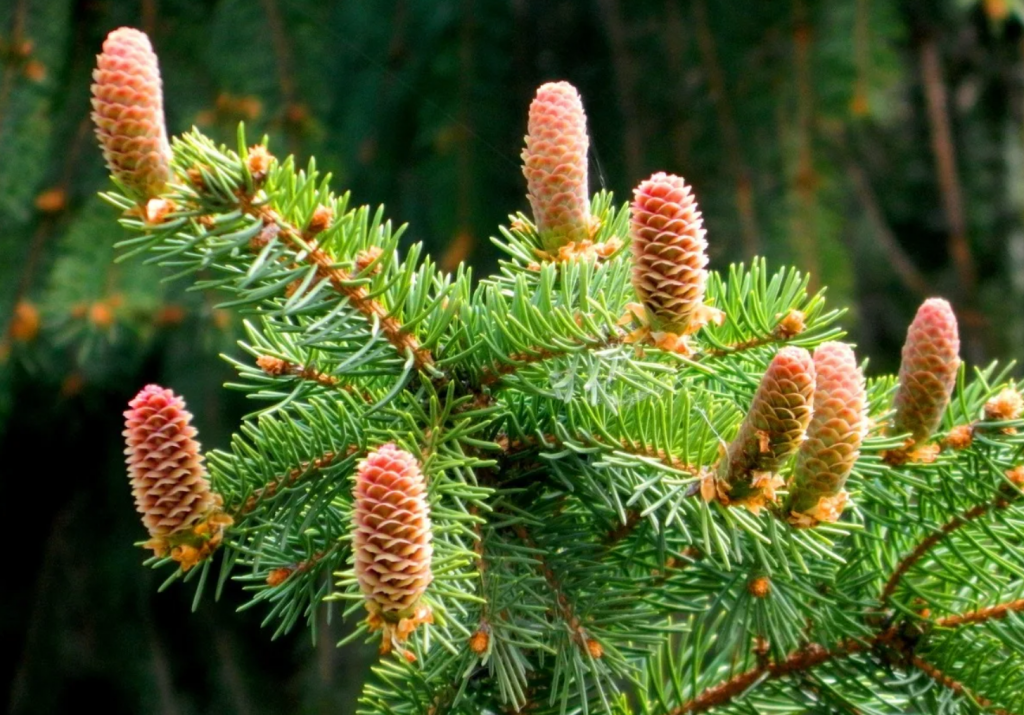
(577, 567)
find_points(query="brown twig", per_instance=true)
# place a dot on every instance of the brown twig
(565, 609)
(306, 469)
(957, 687)
(907, 271)
(340, 280)
(494, 373)
(728, 129)
(930, 541)
(945, 160)
(991, 613)
(805, 177)
(814, 655)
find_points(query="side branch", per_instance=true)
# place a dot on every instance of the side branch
(981, 615)
(565, 610)
(340, 280)
(276, 367)
(306, 469)
(956, 686)
(931, 540)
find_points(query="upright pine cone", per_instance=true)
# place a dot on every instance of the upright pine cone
(168, 479)
(128, 113)
(834, 437)
(927, 371)
(771, 432)
(669, 254)
(391, 541)
(555, 165)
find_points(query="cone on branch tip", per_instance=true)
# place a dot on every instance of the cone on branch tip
(928, 371)
(392, 543)
(168, 479)
(834, 435)
(669, 259)
(128, 113)
(747, 475)
(555, 166)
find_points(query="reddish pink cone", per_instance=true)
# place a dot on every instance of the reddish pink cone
(928, 370)
(772, 430)
(669, 252)
(555, 165)
(129, 115)
(834, 435)
(166, 469)
(392, 535)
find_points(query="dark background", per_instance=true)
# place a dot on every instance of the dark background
(878, 144)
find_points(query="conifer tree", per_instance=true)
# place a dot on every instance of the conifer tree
(537, 504)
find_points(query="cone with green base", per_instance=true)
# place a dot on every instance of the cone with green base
(770, 433)
(833, 441)
(128, 113)
(555, 166)
(927, 371)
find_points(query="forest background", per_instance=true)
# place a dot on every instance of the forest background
(878, 144)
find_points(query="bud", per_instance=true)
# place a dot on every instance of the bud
(770, 434)
(168, 479)
(669, 255)
(555, 165)
(129, 115)
(927, 371)
(834, 437)
(391, 541)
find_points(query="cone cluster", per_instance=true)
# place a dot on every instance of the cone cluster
(128, 113)
(392, 531)
(770, 433)
(165, 467)
(555, 166)
(834, 435)
(927, 371)
(669, 252)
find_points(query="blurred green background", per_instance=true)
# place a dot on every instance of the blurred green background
(878, 144)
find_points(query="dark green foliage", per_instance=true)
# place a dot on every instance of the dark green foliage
(422, 105)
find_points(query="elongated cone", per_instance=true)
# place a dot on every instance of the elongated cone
(555, 165)
(834, 436)
(392, 531)
(169, 482)
(770, 433)
(927, 371)
(669, 253)
(128, 113)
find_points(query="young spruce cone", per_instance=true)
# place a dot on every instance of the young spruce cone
(129, 115)
(555, 165)
(834, 436)
(927, 371)
(669, 257)
(168, 479)
(391, 542)
(771, 432)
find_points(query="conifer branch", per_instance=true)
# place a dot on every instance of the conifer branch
(565, 609)
(957, 687)
(997, 612)
(278, 367)
(494, 373)
(929, 542)
(813, 655)
(304, 471)
(339, 279)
